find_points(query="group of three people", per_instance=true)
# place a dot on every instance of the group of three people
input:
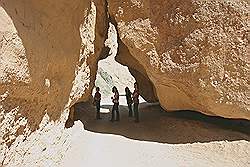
(132, 98)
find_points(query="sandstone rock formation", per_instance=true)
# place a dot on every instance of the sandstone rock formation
(194, 52)
(45, 68)
(93, 49)
(147, 89)
(52, 51)
(110, 73)
(189, 55)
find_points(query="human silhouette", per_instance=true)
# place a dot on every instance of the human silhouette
(97, 102)
(129, 101)
(115, 108)
(136, 102)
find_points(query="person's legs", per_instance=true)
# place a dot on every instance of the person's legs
(134, 109)
(136, 112)
(117, 112)
(130, 110)
(98, 106)
(113, 113)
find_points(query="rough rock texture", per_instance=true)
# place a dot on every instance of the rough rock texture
(110, 73)
(188, 54)
(47, 53)
(137, 70)
(52, 53)
(94, 49)
(38, 59)
(194, 52)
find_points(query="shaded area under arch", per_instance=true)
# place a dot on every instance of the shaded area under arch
(178, 127)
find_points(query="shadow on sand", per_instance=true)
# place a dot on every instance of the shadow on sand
(156, 125)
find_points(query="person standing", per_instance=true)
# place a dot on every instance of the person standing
(129, 101)
(97, 102)
(115, 108)
(136, 102)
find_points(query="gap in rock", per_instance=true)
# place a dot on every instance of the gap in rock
(178, 127)
(155, 125)
(111, 73)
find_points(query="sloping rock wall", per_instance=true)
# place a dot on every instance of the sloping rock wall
(50, 46)
(137, 70)
(189, 55)
(194, 52)
(48, 56)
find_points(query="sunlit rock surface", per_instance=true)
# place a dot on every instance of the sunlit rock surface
(186, 54)
(110, 73)
(39, 57)
(194, 52)
(46, 60)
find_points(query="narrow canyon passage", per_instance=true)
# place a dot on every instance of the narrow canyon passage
(156, 125)
(184, 55)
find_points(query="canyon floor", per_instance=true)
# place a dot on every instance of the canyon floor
(182, 138)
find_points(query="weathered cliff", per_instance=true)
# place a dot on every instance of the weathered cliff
(189, 55)
(50, 46)
(48, 60)
(147, 89)
(194, 52)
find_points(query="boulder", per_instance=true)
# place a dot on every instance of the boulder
(195, 53)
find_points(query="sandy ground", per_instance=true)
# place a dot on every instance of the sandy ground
(160, 139)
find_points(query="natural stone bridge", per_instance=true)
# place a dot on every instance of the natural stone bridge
(194, 57)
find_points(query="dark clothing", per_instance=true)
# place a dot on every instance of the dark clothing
(116, 98)
(128, 97)
(98, 106)
(136, 112)
(97, 103)
(97, 96)
(129, 102)
(115, 108)
(136, 104)
(130, 111)
(136, 96)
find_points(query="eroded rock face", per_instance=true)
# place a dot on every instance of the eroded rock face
(186, 54)
(94, 48)
(51, 52)
(194, 52)
(111, 73)
(48, 56)
(137, 70)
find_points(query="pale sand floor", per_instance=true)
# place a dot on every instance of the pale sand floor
(161, 139)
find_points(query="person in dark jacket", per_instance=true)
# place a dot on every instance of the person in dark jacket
(115, 109)
(136, 102)
(129, 101)
(97, 102)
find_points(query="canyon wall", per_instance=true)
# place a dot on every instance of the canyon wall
(49, 44)
(194, 52)
(189, 55)
(48, 61)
